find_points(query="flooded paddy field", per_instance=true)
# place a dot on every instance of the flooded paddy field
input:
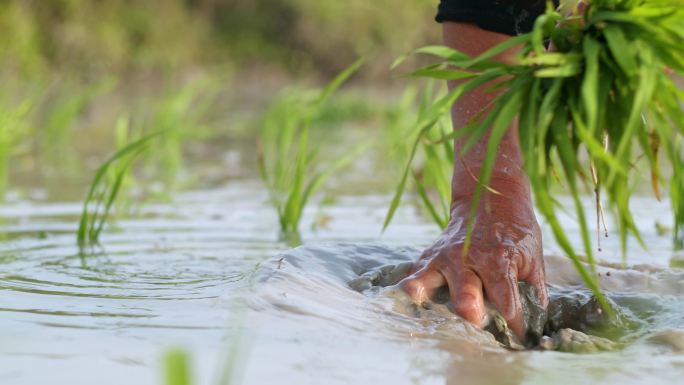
(208, 273)
(153, 152)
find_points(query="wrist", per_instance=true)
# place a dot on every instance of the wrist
(502, 187)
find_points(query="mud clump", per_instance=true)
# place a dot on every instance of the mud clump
(387, 275)
(566, 325)
(534, 315)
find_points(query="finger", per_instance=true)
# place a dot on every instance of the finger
(502, 292)
(422, 285)
(538, 281)
(465, 289)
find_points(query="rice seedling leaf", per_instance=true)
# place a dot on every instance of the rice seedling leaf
(338, 81)
(443, 74)
(592, 50)
(90, 224)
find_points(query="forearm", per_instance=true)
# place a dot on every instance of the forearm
(508, 176)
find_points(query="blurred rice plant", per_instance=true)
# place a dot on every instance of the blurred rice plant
(177, 368)
(399, 125)
(434, 163)
(14, 130)
(677, 195)
(179, 115)
(433, 178)
(59, 113)
(288, 166)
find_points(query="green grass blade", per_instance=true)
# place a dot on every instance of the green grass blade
(422, 193)
(338, 81)
(177, 368)
(592, 49)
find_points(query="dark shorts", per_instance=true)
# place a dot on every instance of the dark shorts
(511, 17)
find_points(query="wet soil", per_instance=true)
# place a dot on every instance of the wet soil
(574, 320)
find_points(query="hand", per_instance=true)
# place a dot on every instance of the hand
(505, 248)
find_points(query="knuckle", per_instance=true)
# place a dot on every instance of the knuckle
(466, 306)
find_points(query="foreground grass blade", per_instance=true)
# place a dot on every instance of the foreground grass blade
(177, 367)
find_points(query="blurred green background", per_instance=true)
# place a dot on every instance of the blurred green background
(80, 79)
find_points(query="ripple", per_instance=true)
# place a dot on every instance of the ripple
(165, 271)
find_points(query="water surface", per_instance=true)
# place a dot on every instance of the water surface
(208, 273)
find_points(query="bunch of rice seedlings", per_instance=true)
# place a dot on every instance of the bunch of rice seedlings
(604, 91)
(105, 188)
(288, 166)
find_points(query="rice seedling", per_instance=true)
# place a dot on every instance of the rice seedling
(104, 189)
(399, 125)
(178, 115)
(125, 132)
(604, 91)
(287, 164)
(429, 128)
(433, 179)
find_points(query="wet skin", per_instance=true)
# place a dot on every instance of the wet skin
(506, 245)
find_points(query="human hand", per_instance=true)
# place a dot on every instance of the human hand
(505, 248)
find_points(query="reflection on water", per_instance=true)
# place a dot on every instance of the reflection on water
(174, 277)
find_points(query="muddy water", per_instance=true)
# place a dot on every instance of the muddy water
(201, 273)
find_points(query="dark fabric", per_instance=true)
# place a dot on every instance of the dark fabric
(511, 17)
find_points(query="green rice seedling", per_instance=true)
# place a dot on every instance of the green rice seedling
(177, 367)
(604, 90)
(429, 128)
(105, 188)
(399, 125)
(433, 179)
(124, 133)
(287, 164)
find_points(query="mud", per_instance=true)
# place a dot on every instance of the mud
(574, 320)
